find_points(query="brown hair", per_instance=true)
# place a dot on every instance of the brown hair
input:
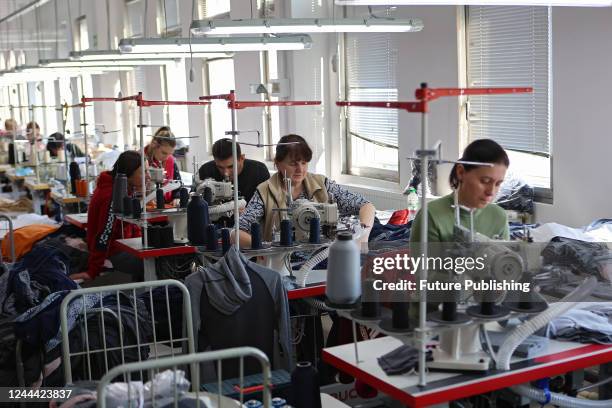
(164, 136)
(298, 149)
(31, 125)
(10, 122)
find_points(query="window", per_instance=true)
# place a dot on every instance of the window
(271, 118)
(511, 46)
(168, 18)
(135, 12)
(371, 133)
(220, 81)
(82, 41)
(213, 8)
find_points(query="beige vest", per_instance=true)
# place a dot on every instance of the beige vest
(274, 196)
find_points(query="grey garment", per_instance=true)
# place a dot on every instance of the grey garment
(232, 292)
(129, 264)
(592, 324)
(227, 284)
(399, 361)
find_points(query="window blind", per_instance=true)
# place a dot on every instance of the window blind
(371, 75)
(510, 46)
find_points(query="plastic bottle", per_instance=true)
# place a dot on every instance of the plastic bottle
(343, 271)
(412, 203)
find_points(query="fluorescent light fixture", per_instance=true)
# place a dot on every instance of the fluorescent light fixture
(575, 3)
(36, 69)
(29, 73)
(115, 55)
(23, 10)
(132, 62)
(217, 44)
(305, 25)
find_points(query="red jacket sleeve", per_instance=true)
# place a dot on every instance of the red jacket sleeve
(96, 218)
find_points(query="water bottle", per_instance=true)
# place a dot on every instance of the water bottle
(343, 271)
(412, 203)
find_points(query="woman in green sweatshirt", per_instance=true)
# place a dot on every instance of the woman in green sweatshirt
(476, 187)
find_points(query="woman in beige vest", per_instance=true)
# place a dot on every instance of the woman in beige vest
(291, 160)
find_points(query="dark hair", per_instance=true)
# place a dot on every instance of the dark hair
(222, 149)
(127, 163)
(297, 150)
(483, 151)
(163, 135)
(56, 141)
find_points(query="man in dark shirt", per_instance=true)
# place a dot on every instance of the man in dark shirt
(251, 173)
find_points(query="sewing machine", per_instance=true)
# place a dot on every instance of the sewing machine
(222, 191)
(302, 211)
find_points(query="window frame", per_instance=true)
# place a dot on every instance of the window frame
(128, 30)
(209, 115)
(203, 8)
(170, 31)
(541, 194)
(347, 167)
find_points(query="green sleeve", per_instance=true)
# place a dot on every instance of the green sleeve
(432, 231)
(506, 228)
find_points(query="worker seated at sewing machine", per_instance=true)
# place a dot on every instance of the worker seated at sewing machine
(56, 144)
(159, 155)
(251, 173)
(37, 147)
(476, 187)
(102, 225)
(467, 220)
(291, 160)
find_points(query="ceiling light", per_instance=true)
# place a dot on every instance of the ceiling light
(215, 45)
(36, 69)
(305, 25)
(132, 62)
(115, 55)
(578, 3)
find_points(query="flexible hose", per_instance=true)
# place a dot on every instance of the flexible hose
(311, 263)
(317, 304)
(520, 333)
(559, 399)
(225, 207)
(320, 257)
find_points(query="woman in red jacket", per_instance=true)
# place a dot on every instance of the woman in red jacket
(103, 227)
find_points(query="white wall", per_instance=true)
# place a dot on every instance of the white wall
(582, 120)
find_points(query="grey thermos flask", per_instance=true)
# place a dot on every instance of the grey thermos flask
(343, 271)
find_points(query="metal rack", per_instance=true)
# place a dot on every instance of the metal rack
(424, 96)
(132, 290)
(193, 359)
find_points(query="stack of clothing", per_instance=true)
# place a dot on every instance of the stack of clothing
(591, 324)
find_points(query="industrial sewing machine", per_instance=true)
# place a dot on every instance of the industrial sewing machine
(302, 211)
(221, 191)
(460, 344)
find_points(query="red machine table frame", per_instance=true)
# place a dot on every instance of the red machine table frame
(558, 358)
